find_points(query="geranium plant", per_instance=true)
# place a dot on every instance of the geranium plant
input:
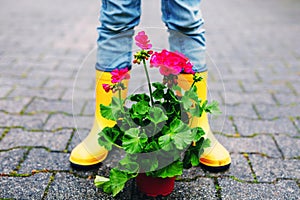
(154, 130)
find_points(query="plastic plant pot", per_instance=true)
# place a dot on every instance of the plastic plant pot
(155, 186)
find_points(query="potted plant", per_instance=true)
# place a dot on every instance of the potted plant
(154, 129)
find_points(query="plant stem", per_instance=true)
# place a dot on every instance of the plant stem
(148, 80)
(192, 85)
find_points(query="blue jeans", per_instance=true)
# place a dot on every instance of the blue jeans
(119, 17)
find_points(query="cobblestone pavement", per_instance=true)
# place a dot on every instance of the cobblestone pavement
(254, 65)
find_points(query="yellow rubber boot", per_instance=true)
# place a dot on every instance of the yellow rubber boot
(216, 157)
(89, 152)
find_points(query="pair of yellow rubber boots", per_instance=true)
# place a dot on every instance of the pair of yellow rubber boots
(89, 152)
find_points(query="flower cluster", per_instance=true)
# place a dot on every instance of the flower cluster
(117, 75)
(142, 41)
(171, 63)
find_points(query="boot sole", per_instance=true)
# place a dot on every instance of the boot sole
(215, 169)
(85, 167)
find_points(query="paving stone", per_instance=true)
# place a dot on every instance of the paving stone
(241, 110)
(289, 146)
(78, 137)
(223, 87)
(9, 160)
(71, 83)
(201, 188)
(56, 141)
(14, 105)
(271, 111)
(232, 98)
(78, 94)
(42, 93)
(63, 121)
(23, 81)
(50, 73)
(259, 144)
(221, 124)
(295, 86)
(267, 169)
(284, 99)
(27, 121)
(67, 186)
(40, 159)
(53, 106)
(31, 187)
(284, 189)
(89, 108)
(4, 90)
(248, 127)
(271, 87)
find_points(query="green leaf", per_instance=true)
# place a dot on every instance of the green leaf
(118, 179)
(100, 180)
(113, 110)
(197, 133)
(141, 107)
(157, 115)
(186, 102)
(159, 85)
(213, 108)
(170, 96)
(164, 141)
(148, 163)
(134, 141)
(152, 146)
(194, 160)
(174, 169)
(180, 133)
(196, 111)
(140, 97)
(108, 136)
(183, 139)
(129, 164)
(158, 93)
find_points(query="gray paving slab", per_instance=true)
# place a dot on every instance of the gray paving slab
(4, 90)
(238, 190)
(57, 121)
(233, 98)
(289, 146)
(248, 127)
(31, 122)
(287, 99)
(55, 106)
(68, 186)
(222, 124)
(14, 105)
(9, 160)
(267, 111)
(55, 141)
(269, 170)
(37, 92)
(201, 188)
(263, 144)
(32, 187)
(241, 110)
(40, 159)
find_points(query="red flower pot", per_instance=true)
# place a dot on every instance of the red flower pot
(155, 186)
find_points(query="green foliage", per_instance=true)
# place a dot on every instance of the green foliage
(155, 134)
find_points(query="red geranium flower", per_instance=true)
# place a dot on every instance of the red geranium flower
(119, 74)
(171, 63)
(142, 41)
(106, 87)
